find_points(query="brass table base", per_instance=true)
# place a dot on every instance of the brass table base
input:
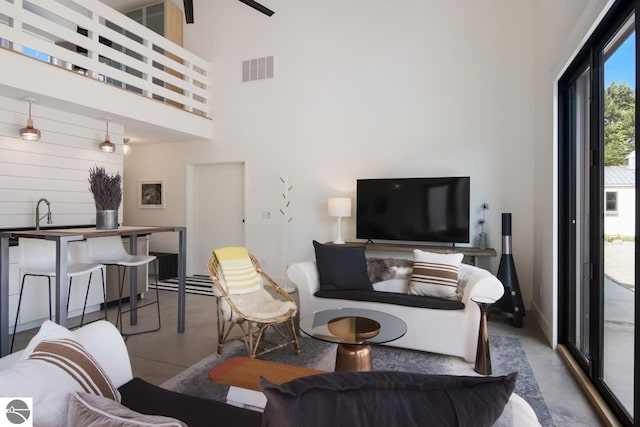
(353, 357)
(483, 355)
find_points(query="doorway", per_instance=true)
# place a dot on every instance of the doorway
(218, 209)
(598, 205)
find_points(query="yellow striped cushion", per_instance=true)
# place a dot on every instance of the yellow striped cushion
(238, 271)
(435, 275)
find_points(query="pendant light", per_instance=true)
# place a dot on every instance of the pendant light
(107, 146)
(126, 148)
(30, 133)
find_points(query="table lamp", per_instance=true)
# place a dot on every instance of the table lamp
(339, 207)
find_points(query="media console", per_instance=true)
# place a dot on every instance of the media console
(472, 252)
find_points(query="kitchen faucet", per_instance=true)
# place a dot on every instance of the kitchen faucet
(48, 214)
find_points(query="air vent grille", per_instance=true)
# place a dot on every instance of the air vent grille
(257, 69)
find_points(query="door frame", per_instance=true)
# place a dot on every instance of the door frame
(590, 55)
(190, 208)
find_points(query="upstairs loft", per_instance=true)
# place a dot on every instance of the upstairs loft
(89, 59)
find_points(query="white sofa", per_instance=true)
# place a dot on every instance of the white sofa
(452, 332)
(104, 342)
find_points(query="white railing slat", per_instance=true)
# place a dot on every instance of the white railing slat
(175, 60)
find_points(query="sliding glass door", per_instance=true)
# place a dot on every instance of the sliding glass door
(598, 211)
(618, 281)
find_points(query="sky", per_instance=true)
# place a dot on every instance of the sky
(620, 66)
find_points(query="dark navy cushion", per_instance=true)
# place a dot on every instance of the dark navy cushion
(140, 396)
(393, 298)
(387, 399)
(341, 267)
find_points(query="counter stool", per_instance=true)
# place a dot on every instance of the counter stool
(38, 259)
(78, 257)
(111, 251)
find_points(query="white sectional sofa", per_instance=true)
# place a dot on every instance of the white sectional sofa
(452, 332)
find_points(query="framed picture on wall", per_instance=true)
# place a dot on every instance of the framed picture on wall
(151, 194)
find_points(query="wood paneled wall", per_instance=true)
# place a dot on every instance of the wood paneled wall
(56, 167)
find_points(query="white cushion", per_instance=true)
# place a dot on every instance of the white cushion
(400, 286)
(50, 379)
(261, 305)
(435, 275)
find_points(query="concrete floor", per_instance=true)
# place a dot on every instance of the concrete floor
(159, 356)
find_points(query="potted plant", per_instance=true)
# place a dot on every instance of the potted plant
(107, 194)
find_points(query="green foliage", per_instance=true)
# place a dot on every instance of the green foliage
(619, 123)
(610, 238)
(106, 188)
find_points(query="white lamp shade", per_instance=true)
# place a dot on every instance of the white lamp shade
(340, 207)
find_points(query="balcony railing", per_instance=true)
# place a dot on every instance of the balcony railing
(90, 38)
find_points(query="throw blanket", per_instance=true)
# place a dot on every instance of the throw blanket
(238, 271)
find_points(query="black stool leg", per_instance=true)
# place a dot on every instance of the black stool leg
(69, 294)
(157, 302)
(155, 265)
(15, 325)
(104, 293)
(86, 296)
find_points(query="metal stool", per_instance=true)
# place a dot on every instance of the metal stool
(38, 259)
(111, 251)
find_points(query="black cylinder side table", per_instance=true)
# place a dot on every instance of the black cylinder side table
(483, 355)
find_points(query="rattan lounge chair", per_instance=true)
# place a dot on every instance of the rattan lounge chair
(270, 307)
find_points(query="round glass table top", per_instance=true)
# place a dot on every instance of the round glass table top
(353, 326)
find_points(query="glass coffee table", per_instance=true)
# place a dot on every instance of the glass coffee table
(353, 329)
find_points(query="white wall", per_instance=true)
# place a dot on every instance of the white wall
(56, 167)
(623, 221)
(561, 28)
(362, 89)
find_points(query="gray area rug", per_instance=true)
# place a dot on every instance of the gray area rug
(507, 355)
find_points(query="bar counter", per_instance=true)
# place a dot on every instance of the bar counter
(62, 237)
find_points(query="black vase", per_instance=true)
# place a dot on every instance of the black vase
(511, 303)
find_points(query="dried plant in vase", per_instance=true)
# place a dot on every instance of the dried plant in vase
(482, 237)
(107, 195)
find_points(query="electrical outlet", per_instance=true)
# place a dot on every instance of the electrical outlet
(266, 215)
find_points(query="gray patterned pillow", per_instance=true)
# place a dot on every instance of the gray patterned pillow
(87, 409)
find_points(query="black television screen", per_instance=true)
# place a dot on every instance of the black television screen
(413, 209)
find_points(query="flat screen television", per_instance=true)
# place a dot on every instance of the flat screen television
(413, 209)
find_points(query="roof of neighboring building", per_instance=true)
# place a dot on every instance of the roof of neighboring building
(619, 175)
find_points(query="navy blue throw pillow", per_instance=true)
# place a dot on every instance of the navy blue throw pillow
(342, 267)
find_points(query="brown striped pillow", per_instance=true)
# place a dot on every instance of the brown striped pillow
(435, 275)
(71, 357)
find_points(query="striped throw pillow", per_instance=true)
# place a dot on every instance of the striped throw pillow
(71, 357)
(238, 271)
(435, 275)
